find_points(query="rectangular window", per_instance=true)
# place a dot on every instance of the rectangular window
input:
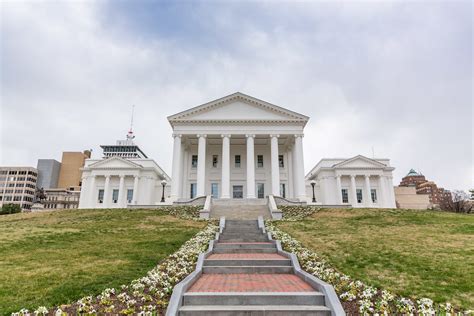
(359, 195)
(129, 195)
(259, 161)
(194, 161)
(345, 196)
(237, 161)
(260, 190)
(282, 190)
(100, 197)
(214, 161)
(281, 162)
(193, 190)
(373, 194)
(115, 193)
(238, 192)
(215, 190)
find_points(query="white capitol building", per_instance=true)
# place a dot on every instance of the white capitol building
(240, 148)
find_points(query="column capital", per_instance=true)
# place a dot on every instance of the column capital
(177, 135)
(201, 135)
(250, 135)
(352, 176)
(226, 135)
(274, 135)
(107, 176)
(122, 176)
(299, 135)
(367, 176)
(338, 176)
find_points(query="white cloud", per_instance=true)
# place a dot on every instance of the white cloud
(386, 76)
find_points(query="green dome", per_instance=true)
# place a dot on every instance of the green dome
(412, 173)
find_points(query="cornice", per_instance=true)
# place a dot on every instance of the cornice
(237, 122)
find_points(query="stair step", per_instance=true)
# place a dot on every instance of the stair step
(248, 250)
(249, 262)
(243, 245)
(247, 269)
(254, 310)
(253, 298)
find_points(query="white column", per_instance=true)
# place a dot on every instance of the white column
(391, 203)
(368, 196)
(201, 167)
(176, 171)
(274, 164)
(185, 174)
(353, 191)
(251, 166)
(121, 196)
(338, 190)
(299, 163)
(135, 189)
(225, 180)
(92, 194)
(291, 190)
(382, 194)
(182, 171)
(107, 197)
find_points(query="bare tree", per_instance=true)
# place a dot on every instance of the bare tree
(459, 202)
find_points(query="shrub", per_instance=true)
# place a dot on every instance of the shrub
(10, 209)
(297, 212)
(183, 211)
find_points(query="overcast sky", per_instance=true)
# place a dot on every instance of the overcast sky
(395, 77)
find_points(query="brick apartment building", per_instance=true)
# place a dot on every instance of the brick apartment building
(423, 186)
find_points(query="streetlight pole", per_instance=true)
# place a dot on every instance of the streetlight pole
(313, 183)
(163, 183)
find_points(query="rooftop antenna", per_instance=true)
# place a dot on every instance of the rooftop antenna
(130, 132)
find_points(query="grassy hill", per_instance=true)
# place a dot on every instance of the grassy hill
(57, 257)
(412, 253)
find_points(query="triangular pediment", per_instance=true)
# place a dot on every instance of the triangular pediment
(115, 163)
(237, 106)
(359, 162)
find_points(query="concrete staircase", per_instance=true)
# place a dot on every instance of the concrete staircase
(246, 275)
(231, 210)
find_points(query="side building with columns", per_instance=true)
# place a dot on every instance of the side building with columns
(238, 147)
(124, 177)
(356, 182)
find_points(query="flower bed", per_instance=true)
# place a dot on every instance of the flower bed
(297, 212)
(357, 297)
(183, 211)
(148, 295)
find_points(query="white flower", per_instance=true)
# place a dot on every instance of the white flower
(41, 311)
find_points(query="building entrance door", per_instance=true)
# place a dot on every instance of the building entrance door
(237, 192)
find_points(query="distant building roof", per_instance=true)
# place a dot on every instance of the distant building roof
(413, 173)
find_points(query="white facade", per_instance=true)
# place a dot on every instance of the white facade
(238, 147)
(117, 182)
(358, 181)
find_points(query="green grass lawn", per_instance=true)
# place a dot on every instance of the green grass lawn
(412, 253)
(58, 257)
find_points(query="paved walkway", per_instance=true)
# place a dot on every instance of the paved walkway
(246, 282)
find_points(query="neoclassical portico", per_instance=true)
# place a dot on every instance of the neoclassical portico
(358, 181)
(117, 183)
(238, 147)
